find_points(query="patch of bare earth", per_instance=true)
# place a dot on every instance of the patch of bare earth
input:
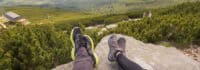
(193, 52)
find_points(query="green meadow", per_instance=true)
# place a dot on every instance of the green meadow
(45, 43)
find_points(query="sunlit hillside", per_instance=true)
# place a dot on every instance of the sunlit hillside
(47, 44)
(97, 6)
(47, 15)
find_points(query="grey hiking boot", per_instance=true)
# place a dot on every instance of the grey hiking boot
(122, 44)
(114, 48)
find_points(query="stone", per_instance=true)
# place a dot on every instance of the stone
(148, 56)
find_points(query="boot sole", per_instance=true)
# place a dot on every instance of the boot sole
(73, 44)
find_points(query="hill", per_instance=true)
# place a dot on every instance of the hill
(174, 24)
(46, 15)
(45, 46)
(97, 6)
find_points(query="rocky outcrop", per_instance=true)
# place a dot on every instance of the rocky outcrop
(149, 56)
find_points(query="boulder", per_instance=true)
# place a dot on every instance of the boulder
(148, 56)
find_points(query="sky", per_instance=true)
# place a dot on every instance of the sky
(58, 3)
(51, 2)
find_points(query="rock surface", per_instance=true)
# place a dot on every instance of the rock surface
(149, 56)
(193, 53)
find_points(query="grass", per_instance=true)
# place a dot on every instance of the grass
(124, 6)
(41, 15)
(38, 15)
(41, 47)
(178, 24)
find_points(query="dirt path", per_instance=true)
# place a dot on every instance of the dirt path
(110, 26)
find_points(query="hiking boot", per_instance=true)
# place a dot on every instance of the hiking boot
(78, 40)
(90, 49)
(114, 48)
(122, 44)
(75, 36)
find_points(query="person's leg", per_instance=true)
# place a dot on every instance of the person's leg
(83, 61)
(83, 51)
(117, 53)
(127, 64)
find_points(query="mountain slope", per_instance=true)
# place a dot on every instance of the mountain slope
(46, 15)
(91, 4)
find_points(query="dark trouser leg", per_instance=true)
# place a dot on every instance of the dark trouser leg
(126, 64)
(83, 61)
